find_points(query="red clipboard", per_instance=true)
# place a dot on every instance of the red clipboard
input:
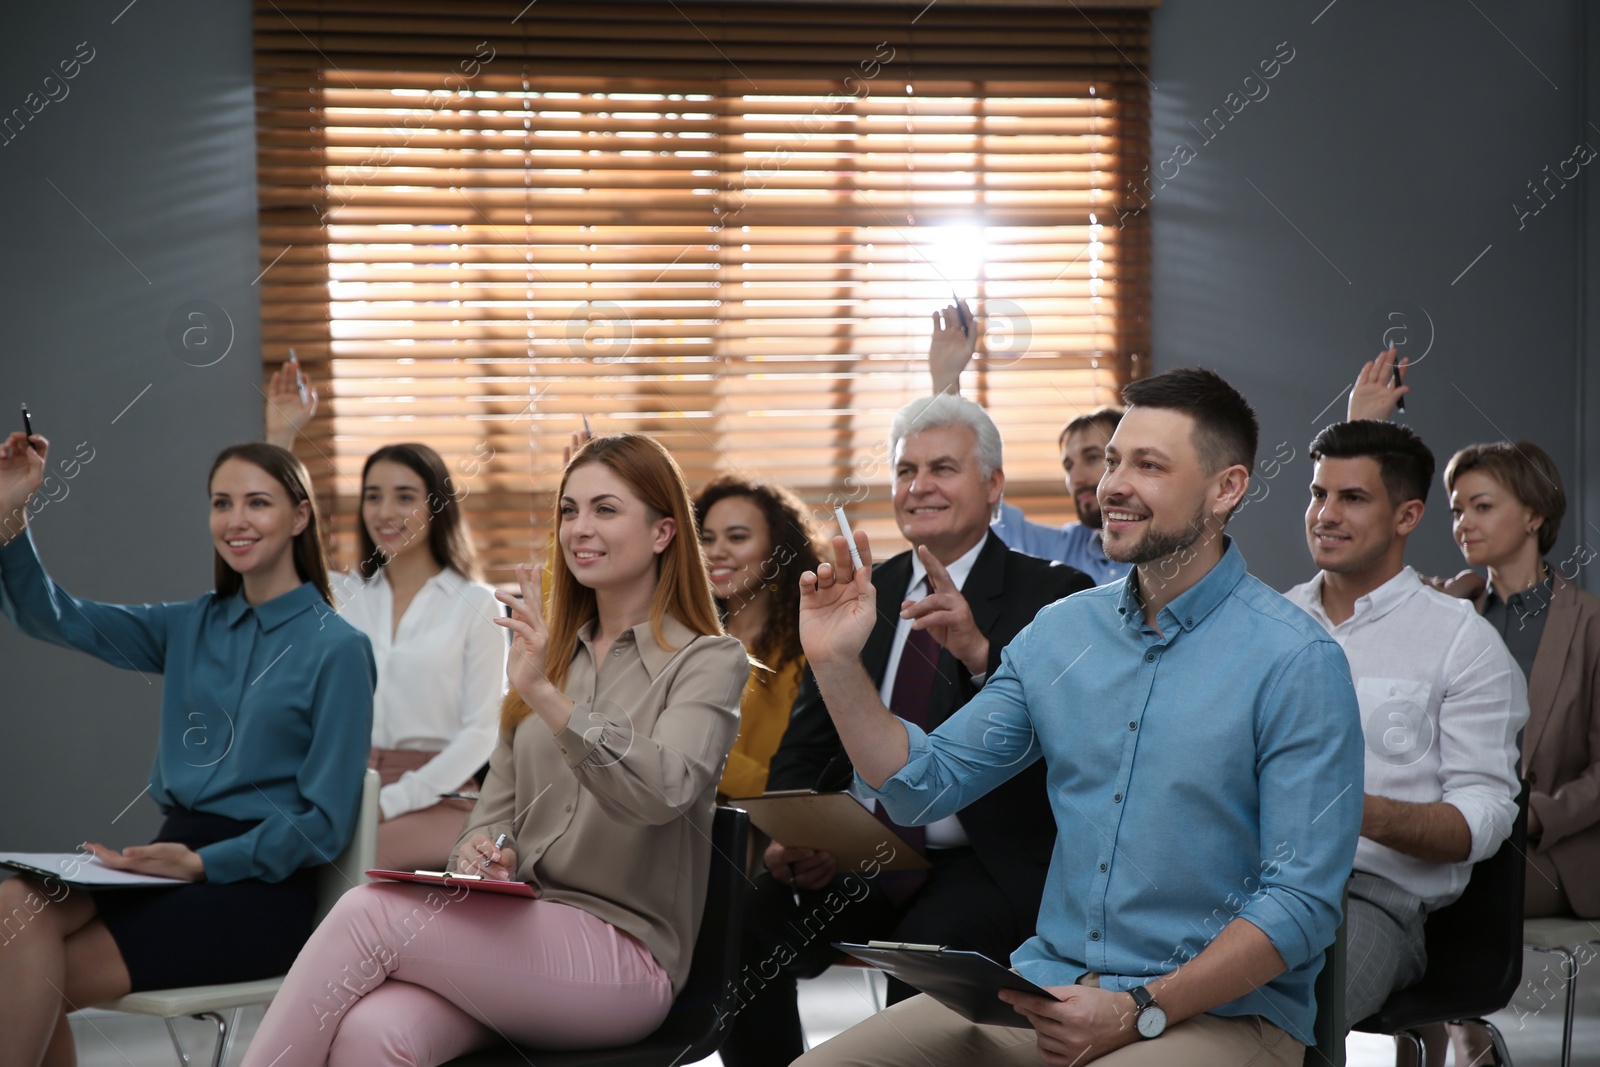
(483, 885)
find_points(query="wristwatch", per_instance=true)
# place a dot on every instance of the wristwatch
(1149, 1018)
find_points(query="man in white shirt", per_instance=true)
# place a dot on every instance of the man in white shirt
(1442, 703)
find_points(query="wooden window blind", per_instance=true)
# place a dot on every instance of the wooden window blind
(721, 224)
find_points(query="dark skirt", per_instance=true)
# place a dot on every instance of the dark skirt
(206, 933)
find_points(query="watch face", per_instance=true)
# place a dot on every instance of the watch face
(1152, 1021)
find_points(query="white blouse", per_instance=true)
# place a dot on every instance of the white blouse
(441, 677)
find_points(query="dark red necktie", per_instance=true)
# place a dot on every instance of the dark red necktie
(913, 688)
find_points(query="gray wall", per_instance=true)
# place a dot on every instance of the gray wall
(127, 199)
(1383, 160)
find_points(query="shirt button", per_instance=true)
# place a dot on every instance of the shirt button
(616, 651)
(1189, 621)
(1133, 725)
(1149, 657)
(1102, 867)
(569, 807)
(538, 850)
(1094, 935)
(1116, 798)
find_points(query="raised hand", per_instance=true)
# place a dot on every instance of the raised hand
(22, 464)
(838, 606)
(165, 859)
(287, 415)
(1374, 395)
(947, 617)
(579, 439)
(951, 347)
(531, 640)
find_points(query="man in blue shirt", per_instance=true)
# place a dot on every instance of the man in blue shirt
(1083, 451)
(1205, 769)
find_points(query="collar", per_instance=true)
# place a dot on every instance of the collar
(651, 654)
(1193, 605)
(1532, 600)
(959, 570)
(275, 612)
(1374, 605)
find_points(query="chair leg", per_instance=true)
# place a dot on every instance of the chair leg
(223, 1033)
(1409, 1050)
(225, 1046)
(172, 1032)
(1502, 1054)
(1570, 967)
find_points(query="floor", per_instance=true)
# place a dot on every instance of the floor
(1531, 1024)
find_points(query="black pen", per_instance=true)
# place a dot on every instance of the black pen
(961, 316)
(27, 423)
(1394, 380)
(788, 869)
(587, 432)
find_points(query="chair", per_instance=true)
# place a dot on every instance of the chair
(1328, 1027)
(210, 1001)
(1474, 952)
(1563, 936)
(693, 1028)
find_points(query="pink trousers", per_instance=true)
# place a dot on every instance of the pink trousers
(404, 974)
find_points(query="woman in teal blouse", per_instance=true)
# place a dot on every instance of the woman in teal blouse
(266, 718)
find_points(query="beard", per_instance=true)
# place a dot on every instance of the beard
(1158, 544)
(1089, 514)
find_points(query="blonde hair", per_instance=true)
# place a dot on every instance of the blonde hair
(683, 588)
(1527, 471)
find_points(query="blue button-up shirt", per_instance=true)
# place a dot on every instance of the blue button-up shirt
(1074, 544)
(266, 711)
(1203, 773)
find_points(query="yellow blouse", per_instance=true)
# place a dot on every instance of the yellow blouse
(763, 717)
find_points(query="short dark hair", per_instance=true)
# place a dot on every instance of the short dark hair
(1525, 469)
(1404, 463)
(1225, 427)
(1105, 418)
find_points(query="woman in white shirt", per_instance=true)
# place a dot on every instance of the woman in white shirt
(441, 659)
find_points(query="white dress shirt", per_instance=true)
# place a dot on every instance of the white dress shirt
(947, 832)
(441, 676)
(1442, 703)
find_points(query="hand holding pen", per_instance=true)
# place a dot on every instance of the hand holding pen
(492, 859)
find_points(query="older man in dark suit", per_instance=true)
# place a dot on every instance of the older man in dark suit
(962, 595)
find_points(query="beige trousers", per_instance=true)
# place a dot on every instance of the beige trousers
(921, 1032)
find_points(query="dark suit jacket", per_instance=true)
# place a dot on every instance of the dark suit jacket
(1011, 829)
(1561, 745)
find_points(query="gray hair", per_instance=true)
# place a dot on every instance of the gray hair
(945, 409)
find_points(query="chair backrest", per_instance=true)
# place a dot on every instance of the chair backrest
(1474, 945)
(1475, 942)
(715, 964)
(1328, 1029)
(349, 869)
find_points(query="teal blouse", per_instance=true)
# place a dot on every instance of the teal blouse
(266, 712)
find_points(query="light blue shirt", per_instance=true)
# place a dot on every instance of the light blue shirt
(1209, 774)
(1074, 544)
(266, 711)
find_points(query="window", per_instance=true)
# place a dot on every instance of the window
(724, 225)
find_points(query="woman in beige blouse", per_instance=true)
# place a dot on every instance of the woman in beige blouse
(623, 705)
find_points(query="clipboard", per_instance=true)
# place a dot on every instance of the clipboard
(833, 822)
(78, 869)
(471, 882)
(968, 983)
